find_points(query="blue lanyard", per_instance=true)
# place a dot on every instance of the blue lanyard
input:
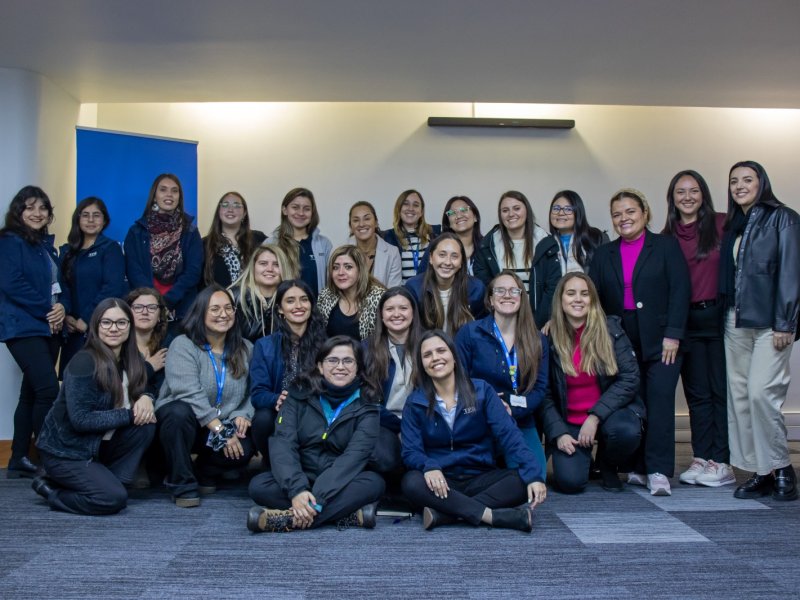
(330, 414)
(219, 376)
(414, 251)
(511, 357)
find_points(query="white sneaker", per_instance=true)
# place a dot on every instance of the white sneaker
(637, 479)
(695, 469)
(658, 485)
(716, 474)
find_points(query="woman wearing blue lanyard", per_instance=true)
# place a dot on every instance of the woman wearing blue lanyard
(410, 232)
(324, 436)
(506, 350)
(204, 405)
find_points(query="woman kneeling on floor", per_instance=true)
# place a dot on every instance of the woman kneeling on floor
(451, 426)
(102, 421)
(325, 433)
(204, 405)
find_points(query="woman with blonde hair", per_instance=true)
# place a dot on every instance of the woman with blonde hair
(349, 303)
(594, 389)
(254, 291)
(410, 232)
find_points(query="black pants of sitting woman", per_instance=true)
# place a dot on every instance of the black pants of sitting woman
(618, 439)
(363, 489)
(469, 494)
(97, 487)
(181, 435)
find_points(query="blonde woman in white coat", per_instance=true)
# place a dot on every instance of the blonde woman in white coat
(383, 259)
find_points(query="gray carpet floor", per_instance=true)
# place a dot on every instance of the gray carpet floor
(698, 543)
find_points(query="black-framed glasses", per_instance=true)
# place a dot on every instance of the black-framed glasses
(461, 210)
(122, 324)
(334, 361)
(140, 308)
(558, 210)
(514, 292)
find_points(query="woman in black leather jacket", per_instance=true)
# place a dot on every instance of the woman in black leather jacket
(759, 280)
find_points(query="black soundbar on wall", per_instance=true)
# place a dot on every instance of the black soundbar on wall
(498, 122)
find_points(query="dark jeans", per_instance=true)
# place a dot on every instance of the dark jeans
(705, 387)
(180, 435)
(469, 495)
(365, 488)
(262, 429)
(73, 344)
(36, 357)
(618, 439)
(97, 487)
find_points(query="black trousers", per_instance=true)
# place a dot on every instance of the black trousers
(97, 487)
(658, 383)
(618, 439)
(366, 487)
(36, 357)
(705, 388)
(180, 435)
(262, 429)
(386, 458)
(469, 495)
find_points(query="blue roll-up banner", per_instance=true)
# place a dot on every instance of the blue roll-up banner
(120, 167)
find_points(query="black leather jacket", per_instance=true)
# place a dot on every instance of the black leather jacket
(768, 270)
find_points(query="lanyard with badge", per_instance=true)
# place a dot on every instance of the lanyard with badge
(219, 376)
(513, 369)
(414, 251)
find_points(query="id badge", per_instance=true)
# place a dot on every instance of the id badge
(55, 289)
(519, 401)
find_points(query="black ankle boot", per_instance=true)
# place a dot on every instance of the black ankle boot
(22, 466)
(41, 485)
(367, 515)
(266, 519)
(513, 518)
(433, 518)
(785, 486)
(755, 487)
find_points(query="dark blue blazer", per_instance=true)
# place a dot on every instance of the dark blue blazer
(140, 271)
(475, 294)
(266, 371)
(98, 272)
(430, 444)
(26, 286)
(390, 237)
(483, 358)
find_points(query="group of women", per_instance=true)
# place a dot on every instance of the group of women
(432, 359)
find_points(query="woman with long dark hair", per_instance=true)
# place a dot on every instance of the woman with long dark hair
(299, 237)
(230, 241)
(759, 281)
(33, 307)
(324, 437)
(593, 394)
(451, 427)
(163, 248)
(102, 421)
(692, 221)
(93, 269)
(575, 240)
(447, 296)
(410, 232)
(150, 316)
(280, 357)
(204, 405)
(462, 217)
(643, 279)
(382, 259)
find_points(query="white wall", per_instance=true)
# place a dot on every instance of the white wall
(38, 124)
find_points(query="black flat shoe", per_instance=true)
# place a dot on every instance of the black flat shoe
(785, 486)
(366, 515)
(755, 487)
(520, 519)
(41, 486)
(610, 480)
(22, 467)
(433, 518)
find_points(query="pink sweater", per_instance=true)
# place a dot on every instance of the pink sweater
(583, 391)
(630, 252)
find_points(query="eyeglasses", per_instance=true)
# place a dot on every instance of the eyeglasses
(122, 324)
(218, 310)
(140, 308)
(335, 361)
(234, 205)
(557, 209)
(91, 216)
(514, 292)
(462, 210)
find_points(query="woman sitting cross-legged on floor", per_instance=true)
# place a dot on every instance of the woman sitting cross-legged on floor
(593, 392)
(204, 405)
(324, 436)
(102, 421)
(451, 426)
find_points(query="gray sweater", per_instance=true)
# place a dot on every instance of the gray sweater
(189, 377)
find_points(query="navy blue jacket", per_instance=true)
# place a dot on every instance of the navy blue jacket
(98, 272)
(390, 237)
(266, 371)
(389, 420)
(483, 358)
(430, 444)
(475, 294)
(26, 287)
(140, 271)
